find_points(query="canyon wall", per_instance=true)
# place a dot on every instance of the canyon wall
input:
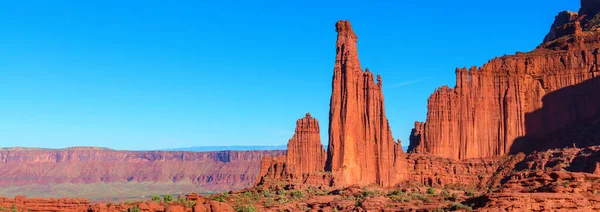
(512, 102)
(361, 147)
(210, 171)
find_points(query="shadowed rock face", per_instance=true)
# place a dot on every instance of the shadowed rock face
(224, 170)
(305, 151)
(512, 102)
(361, 148)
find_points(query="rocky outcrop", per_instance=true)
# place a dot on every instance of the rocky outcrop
(224, 170)
(556, 30)
(304, 161)
(511, 103)
(361, 148)
(305, 152)
(415, 138)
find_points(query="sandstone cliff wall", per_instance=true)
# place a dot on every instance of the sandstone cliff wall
(512, 102)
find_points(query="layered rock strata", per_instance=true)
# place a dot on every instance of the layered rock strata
(224, 170)
(511, 103)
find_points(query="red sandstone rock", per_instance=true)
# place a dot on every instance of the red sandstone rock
(305, 152)
(175, 208)
(561, 19)
(513, 101)
(273, 170)
(361, 148)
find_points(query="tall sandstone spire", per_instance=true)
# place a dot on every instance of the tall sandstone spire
(361, 148)
(514, 102)
(305, 151)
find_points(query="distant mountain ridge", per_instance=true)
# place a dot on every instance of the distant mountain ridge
(235, 148)
(231, 148)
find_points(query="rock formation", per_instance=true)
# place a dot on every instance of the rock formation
(512, 102)
(305, 152)
(361, 148)
(209, 171)
(304, 161)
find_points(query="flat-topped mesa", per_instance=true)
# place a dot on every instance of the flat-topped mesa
(512, 102)
(361, 148)
(305, 151)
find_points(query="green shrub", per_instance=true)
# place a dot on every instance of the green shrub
(247, 194)
(431, 191)
(168, 198)
(134, 209)
(444, 194)
(14, 208)
(400, 198)
(282, 199)
(190, 204)
(269, 202)
(421, 197)
(470, 193)
(180, 199)
(297, 194)
(245, 208)
(219, 198)
(267, 194)
(156, 198)
(395, 193)
(369, 193)
(459, 206)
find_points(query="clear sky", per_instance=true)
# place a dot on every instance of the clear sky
(165, 74)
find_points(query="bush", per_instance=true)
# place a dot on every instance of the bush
(190, 204)
(400, 198)
(168, 198)
(431, 191)
(459, 206)
(268, 203)
(14, 208)
(297, 194)
(444, 194)
(470, 192)
(219, 198)
(134, 209)
(421, 197)
(282, 199)
(156, 198)
(245, 208)
(180, 200)
(267, 194)
(369, 193)
(247, 194)
(395, 193)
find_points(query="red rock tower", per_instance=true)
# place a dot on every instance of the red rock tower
(305, 151)
(361, 148)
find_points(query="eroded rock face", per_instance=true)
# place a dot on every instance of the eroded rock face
(305, 151)
(511, 103)
(361, 148)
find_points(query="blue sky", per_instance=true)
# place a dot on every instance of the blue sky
(165, 74)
